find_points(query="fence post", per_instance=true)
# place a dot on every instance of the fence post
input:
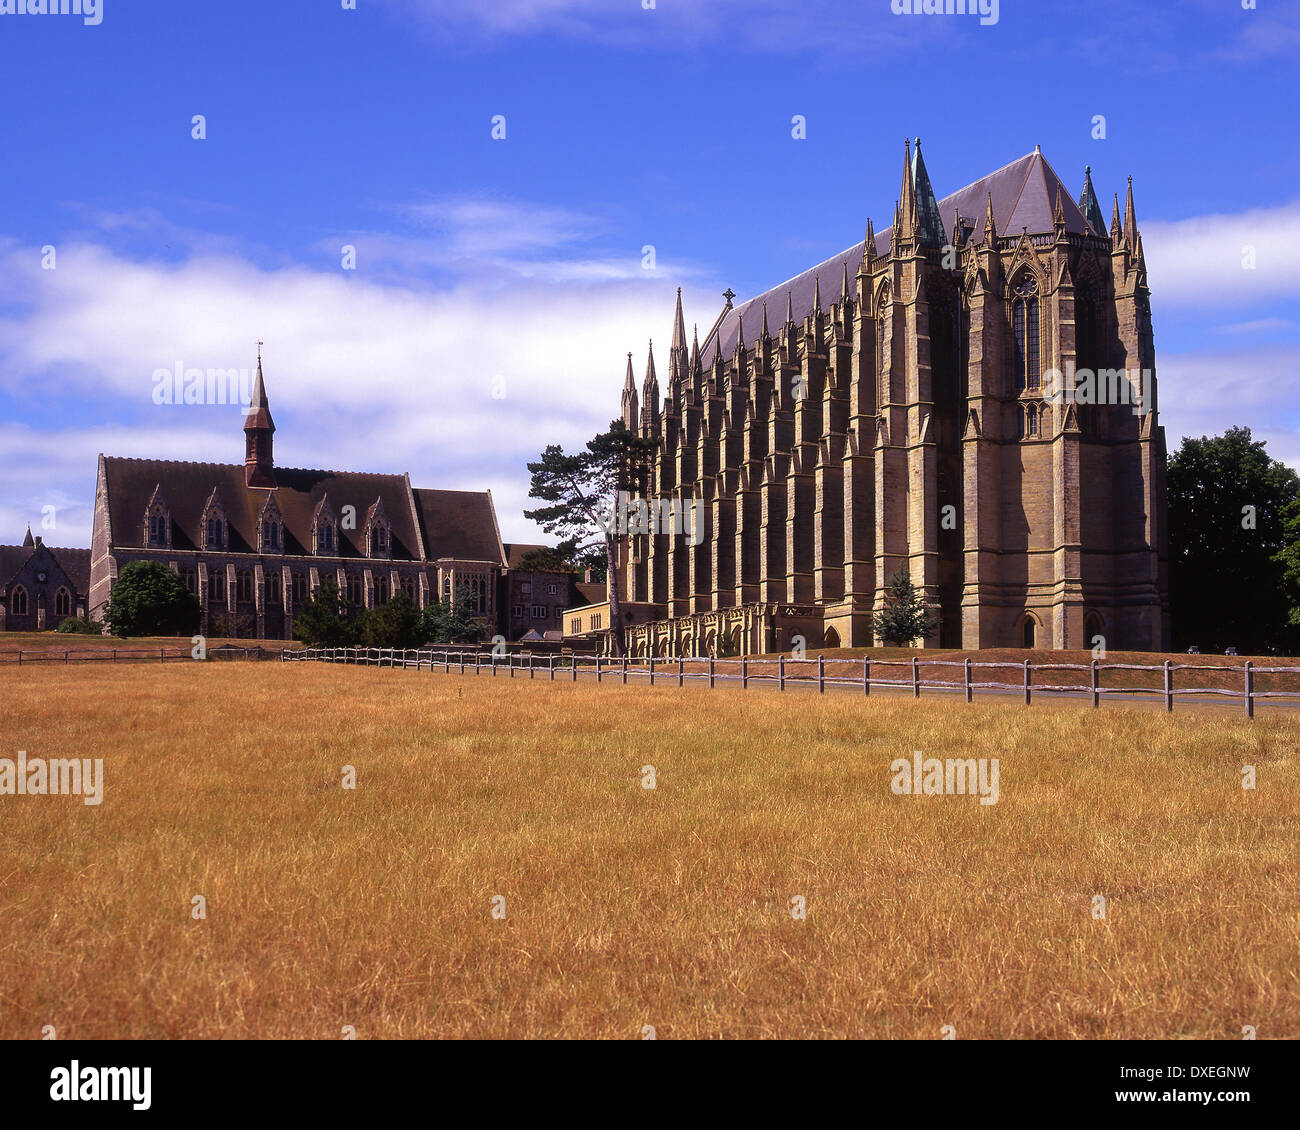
(20, 656)
(866, 676)
(821, 674)
(1096, 684)
(680, 677)
(780, 672)
(710, 672)
(510, 664)
(652, 670)
(625, 670)
(573, 667)
(1169, 686)
(744, 672)
(1026, 682)
(477, 657)
(550, 662)
(970, 690)
(531, 665)
(1250, 690)
(598, 668)
(916, 677)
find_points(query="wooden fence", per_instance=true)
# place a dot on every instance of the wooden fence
(24, 658)
(782, 673)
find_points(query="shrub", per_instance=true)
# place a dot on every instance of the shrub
(150, 600)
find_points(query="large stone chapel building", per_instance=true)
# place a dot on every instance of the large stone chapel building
(885, 410)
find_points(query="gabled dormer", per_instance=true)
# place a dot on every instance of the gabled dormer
(324, 529)
(378, 532)
(213, 528)
(157, 525)
(270, 527)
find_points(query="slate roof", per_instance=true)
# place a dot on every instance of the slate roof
(1024, 196)
(426, 524)
(74, 562)
(516, 551)
(459, 523)
(592, 592)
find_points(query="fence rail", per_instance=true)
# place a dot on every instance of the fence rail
(23, 657)
(784, 673)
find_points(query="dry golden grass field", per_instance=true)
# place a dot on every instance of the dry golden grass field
(627, 906)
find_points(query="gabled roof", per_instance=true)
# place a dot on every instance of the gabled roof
(74, 562)
(516, 551)
(458, 523)
(1024, 196)
(189, 486)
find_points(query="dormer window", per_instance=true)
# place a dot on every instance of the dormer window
(273, 535)
(216, 533)
(157, 523)
(325, 537)
(214, 523)
(378, 534)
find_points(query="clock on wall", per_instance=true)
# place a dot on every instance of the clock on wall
(40, 578)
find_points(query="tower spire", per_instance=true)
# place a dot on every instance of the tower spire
(650, 396)
(929, 224)
(630, 406)
(259, 428)
(1089, 205)
(28, 543)
(1116, 232)
(789, 308)
(907, 202)
(1130, 219)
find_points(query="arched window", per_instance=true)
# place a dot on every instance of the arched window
(408, 588)
(63, 603)
(1093, 626)
(1028, 631)
(244, 586)
(299, 588)
(326, 537)
(381, 590)
(157, 529)
(355, 589)
(1024, 329)
(215, 532)
(273, 587)
(187, 575)
(1031, 421)
(273, 535)
(18, 601)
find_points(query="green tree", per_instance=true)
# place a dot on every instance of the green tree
(582, 492)
(150, 600)
(322, 621)
(453, 621)
(906, 617)
(1233, 545)
(395, 624)
(544, 561)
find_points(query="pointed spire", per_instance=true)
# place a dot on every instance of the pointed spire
(1089, 205)
(1130, 219)
(1116, 233)
(695, 352)
(651, 380)
(1058, 216)
(958, 232)
(844, 287)
(630, 402)
(817, 294)
(907, 196)
(259, 430)
(929, 224)
(868, 248)
(27, 541)
(740, 333)
(764, 334)
(789, 308)
(990, 227)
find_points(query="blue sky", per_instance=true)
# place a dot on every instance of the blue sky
(515, 266)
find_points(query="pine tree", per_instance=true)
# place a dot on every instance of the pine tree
(906, 617)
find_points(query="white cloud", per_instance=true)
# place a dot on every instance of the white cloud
(363, 372)
(1199, 262)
